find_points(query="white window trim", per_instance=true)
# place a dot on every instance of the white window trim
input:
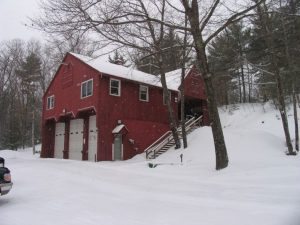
(82, 86)
(170, 97)
(119, 87)
(51, 105)
(147, 96)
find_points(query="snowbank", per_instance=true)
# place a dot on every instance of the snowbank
(260, 186)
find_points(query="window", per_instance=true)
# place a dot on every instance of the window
(144, 93)
(164, 97)
(87, 88)
(50, 102)
(115, 87)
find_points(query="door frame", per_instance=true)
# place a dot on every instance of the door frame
(63, 139)
(113, 146)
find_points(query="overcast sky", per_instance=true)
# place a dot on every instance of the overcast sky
(13, 15)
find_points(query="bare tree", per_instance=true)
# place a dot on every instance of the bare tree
(20, 100)
(269, 40)
(125, 23)
(296, 120)
(198, 23)
(140, 25)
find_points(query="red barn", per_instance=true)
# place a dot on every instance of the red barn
(94, 110)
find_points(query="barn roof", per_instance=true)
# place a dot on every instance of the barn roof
(173, 78)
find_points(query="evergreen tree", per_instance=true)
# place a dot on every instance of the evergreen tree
(30, 76)
(285, 33)
(172, 53)
(227, 55)
(117, 59)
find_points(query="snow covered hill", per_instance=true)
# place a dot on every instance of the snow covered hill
(260, 187)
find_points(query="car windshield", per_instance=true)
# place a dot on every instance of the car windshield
(1, 162)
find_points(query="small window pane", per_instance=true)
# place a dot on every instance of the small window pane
(115, 87)
(87, 88)
(144, 95)
(83, 90)
(50, 102)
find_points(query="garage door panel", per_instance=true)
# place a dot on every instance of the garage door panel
(76, 139)
(59, 140)
(93, 139)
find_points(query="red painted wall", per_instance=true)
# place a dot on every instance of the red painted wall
(194, 85)
(128, 108)
(194, 88)
(66, 87)
(146, 120)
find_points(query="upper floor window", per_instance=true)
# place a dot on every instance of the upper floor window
(144, 93)
(115, 87)
(87, 88)
(50, 102)
(164, 97)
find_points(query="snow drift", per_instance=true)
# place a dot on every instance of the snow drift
(260, 186)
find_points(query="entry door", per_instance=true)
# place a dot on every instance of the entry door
(76, 139)
(59, 140)
(93, 139)
(118, 147)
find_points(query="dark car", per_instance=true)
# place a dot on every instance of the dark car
(5, 178)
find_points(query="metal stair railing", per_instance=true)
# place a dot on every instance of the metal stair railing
(190, 124)
(166, 138)
(186, 123)
(157, 144)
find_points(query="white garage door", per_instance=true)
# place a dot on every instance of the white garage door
(93, 137)
(59, 140)
(76, 139)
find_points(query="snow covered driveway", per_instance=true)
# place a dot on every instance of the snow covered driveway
(261, 186)
(65, 192)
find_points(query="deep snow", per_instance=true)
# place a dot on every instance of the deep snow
(260, 187)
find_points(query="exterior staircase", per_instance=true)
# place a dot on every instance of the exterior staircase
(166, 141)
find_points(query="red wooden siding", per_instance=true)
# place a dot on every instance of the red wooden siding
(144, 121)
(67, 91)
(194, 90)
(128, 108)
(194, 85)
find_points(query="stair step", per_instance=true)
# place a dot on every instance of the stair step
(162, 150)
(171, 143)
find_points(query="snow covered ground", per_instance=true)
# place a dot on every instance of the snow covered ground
(261, 186)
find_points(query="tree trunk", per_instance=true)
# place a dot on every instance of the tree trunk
(184, 139)
(32, 131)
(243, 83)
(226, 92)
(182, 104)
(219, 142)
(172, 119)
(240, 88)
(249, 83)
(296, 120)
(264, 18)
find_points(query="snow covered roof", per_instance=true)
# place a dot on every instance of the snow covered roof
(120, 71)
(173, 78)
(118, 128)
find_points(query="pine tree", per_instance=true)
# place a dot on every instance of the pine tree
(172, 52)
(227, 55)
(266, 23)
(117, 59)
(30, 75)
